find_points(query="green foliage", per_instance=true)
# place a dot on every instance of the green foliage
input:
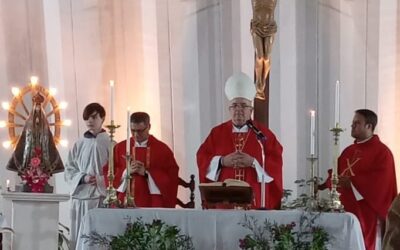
(304, 200)
(63, 240)
(272, 236)
(144, 236)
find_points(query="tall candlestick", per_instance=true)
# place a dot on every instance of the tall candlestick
(312, 133)
(128, 132)
(112, 99)
(337, 104)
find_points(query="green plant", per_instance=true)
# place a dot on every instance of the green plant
(144, 236)
(63, 239)
(304, 199)
(272, 236)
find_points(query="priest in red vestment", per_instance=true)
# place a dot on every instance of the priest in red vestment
(233, 150)
(153, 168)
(367, 179)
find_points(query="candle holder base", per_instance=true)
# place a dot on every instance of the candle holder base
(129, 202)
(312, 203)
(335, 205)
(111, 199)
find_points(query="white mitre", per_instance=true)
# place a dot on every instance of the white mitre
(240, 85)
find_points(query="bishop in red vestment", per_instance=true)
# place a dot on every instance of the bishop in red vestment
(367, 179)
(154, 169)
(231, 150)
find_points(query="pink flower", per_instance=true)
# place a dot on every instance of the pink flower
(35, 162)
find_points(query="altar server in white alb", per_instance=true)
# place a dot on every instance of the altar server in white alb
(83, 170)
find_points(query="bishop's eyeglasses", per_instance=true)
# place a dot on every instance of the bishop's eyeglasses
(236, 106)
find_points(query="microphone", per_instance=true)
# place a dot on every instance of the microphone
(259, 134)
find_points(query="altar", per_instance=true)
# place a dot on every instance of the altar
(217, 229)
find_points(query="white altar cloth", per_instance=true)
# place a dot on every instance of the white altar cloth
(217, 229)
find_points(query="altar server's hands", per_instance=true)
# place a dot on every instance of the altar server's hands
(90, 179)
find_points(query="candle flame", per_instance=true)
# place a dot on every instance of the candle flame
(112, 83)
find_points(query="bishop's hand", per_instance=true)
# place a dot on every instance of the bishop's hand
(90, 179)
(237, 159)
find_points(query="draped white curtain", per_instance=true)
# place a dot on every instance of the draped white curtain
(170, 58)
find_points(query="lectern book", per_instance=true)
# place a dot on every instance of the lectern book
(230, 191)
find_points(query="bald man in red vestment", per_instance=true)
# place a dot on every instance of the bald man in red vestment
(232, 150)
(367, 179)
(153, 167)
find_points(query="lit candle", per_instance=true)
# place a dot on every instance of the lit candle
(337, 104)
(8, 184)
(128, 132)
(312, 133)
(112, 99)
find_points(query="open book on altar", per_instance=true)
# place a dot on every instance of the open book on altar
(230, 191)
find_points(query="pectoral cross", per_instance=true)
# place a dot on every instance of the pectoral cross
(239, 141)
(239, 174)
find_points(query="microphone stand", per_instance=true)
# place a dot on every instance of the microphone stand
(260, 141)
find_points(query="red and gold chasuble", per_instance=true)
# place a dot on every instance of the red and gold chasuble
(159, 162)
(370, 166)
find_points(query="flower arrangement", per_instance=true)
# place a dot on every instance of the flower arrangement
(143, 236)
(284, 237)
(34, 177)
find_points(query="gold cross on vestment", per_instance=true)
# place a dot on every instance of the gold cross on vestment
(350, 167)
(239, 174)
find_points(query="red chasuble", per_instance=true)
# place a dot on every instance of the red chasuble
(370, 166)
(221, 141)
(160, 164)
